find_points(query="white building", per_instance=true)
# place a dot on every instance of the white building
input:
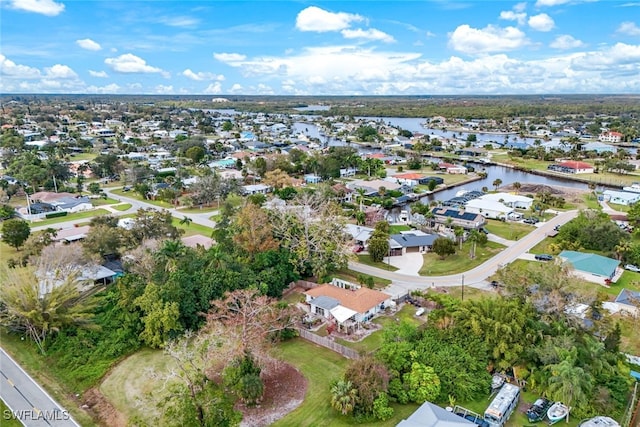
(621, 197)
(511, 200)
(488, 208)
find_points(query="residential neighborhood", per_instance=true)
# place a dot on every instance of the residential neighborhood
(387, 256)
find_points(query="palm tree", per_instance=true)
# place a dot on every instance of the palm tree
(569, 383)
(517, 186)
(39, 305)
(459, 232)
(622, 249)
(361, 192)
(343, 396)
(474, 237)
(186, 221)
(497, 183)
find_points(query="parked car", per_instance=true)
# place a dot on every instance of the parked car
(543, 257)
(484, 230)
(357, 249)
(538, 410)
(632, 267)
(531, 220)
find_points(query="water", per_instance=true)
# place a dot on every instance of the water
(314, 108)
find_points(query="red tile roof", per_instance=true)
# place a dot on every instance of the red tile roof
(360, 300)
(409, 175)
(574, 164)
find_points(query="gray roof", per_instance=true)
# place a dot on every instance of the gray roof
(430, 415)
(325, 302)
(408, 240)
(628, 297)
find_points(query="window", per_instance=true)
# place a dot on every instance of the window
(320, 311)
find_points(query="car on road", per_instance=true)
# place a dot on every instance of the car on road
(632, 267)
(543, 257)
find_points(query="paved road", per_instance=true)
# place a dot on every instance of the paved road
(197, 218)
(476, 277)
(29, 402)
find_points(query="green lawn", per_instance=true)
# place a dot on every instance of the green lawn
(25, 353)
(198, 210)
(193, 228)
(70, 217)
(7, 252)
(136, 196)
(591, 202)
(5, 414)
(508, 230)
(83, 156)
(619, 208)
(543, 246)
(102, 202)
(366, 259)
(122, 207)
(459, 262)
(126, 391)
(352, 276)
(396, 229)
(320, 366)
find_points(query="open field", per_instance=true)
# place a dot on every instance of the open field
(458, 262)
(102, 202)
(396, 229)
(325, 367)
(192, 229)
(70, 217)
(122, 207)
(136, 196)
(198, 210)
(508, 230)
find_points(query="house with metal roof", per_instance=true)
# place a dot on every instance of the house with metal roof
(512, 200)
(628, 301)
(592, 267)
(625, 198)
(430, 415)
(413, 241)
(488, 208)
(459, 217)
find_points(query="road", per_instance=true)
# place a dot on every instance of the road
(197, 218)
(29, 402)
(476, 277)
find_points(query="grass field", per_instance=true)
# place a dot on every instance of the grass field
(366, 259)
(136, 196)
(198, 210)
(70, 217)
(396, 229)
(508, 230)
(192, 229)
(83, 156)
(321, 366)
(126, 391)
(460, 261)
(102, 202)
(122, 207)
(11, 422)
(352, 276)
(36, 365)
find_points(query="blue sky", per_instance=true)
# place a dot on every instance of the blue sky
(436, 47)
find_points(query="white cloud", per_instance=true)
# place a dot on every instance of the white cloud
(129, 63)
(565, 41)
(540, 3)
(489, 39)
(520, 7)
(88, 44)
(202, 76)
(629, 28)
(110, 88)
(368, 34)
(236, 88)
(8, 68)
(99, 74)
(213, 88)
(43, 7)
(541, 22)
(59, 71)
(179, 21)
(164, 90)
(229, 57)
(319, 20)
(510, 15)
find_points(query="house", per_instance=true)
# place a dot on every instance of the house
(312, 179)
(488, 208)
(611, 136)
(628, 301)
(412, 241)
(425, 180)
(451, 168)
(344, 301)
(430, 415)
(599, 147)
(621, 197)
(68, 235)
(197, 240)
(248, 190)
(359, 233)
(410, 179)
(458, 217)
(592, 267)
(571, 166)
(512, 200)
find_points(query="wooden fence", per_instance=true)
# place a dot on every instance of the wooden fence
(347, 352)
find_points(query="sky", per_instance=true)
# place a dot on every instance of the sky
(418, 47)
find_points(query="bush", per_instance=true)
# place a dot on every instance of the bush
(56, 214)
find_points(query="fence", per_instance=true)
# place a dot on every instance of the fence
(347, 352)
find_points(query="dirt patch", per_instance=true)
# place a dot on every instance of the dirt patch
(284, 391)
(102, 410)
(569, 193)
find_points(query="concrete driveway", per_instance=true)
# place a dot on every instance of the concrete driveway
(409, 263)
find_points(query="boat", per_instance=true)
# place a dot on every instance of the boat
(557, 412)
(599, 421)
(538, 410)
(420, 311)
(496, 381)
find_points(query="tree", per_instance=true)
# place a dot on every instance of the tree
(186, 221)
(195, 153)
(277, 179)
(15, 232)
(242, 377)
(6, 211)
(94, 188)
(343, 396)
(475, 237)
(103, 240)
(422, 383)
(252, 231)
(444, 246)
(160, 318)
(370, 378)
(459, 233)
(41, 304)
(497, 183)
(517, 186)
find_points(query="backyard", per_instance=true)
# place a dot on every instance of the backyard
(460, 261)
(508, 230)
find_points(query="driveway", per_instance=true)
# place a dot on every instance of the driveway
(409, 263)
